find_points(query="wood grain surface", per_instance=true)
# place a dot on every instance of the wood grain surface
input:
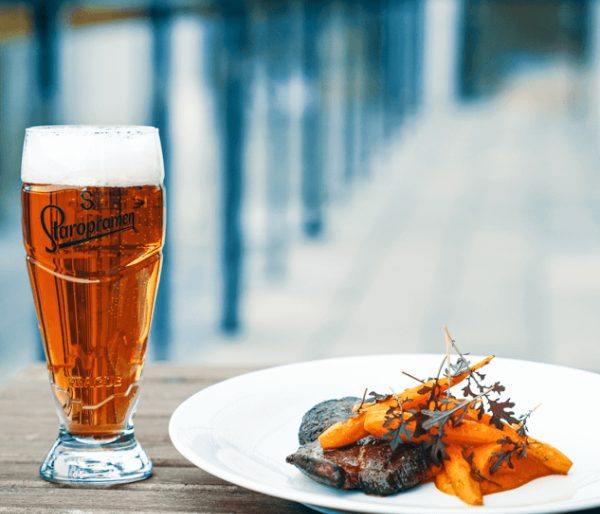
(29, 426)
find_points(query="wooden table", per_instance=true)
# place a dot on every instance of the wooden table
(29, 426)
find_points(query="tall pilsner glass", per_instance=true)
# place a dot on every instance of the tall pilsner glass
(94, 226)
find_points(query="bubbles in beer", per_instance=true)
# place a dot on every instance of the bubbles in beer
(92, 156)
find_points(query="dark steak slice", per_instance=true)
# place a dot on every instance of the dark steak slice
(370, 466)
(323, 415)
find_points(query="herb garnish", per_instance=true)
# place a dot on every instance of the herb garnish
(475, 472)
(518, 448)
(430, 418)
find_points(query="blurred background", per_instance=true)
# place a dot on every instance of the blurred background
(343, 177)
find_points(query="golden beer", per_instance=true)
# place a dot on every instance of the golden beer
(94, 257)
(93, 214)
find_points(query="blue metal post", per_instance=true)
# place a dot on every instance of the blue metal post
(351, 101)
(384, 72)
(411, 55)
(46, 30)
(394, 64)
(312, 128)
(469, 36)
(419, 52)
(46, 33)
(161, 53)
(363, 77)
(372, 128)
(232, 90)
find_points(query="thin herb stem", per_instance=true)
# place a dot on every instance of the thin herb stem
(446, 338)
(363, 399)
(414, 378)
(397, 399)
(462, 358)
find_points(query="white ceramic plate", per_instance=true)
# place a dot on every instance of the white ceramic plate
(242, 429)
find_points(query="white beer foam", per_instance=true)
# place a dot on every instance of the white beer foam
(83, 156)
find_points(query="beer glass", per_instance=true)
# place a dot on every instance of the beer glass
(93, 225)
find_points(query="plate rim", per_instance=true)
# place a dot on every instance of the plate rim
(334, 503)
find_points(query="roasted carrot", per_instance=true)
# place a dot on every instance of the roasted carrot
(472, 433)
(459, 473)
(342, 434)
(524, 470)
(375, 420)
(482, 456)
(550, 456)
(442, 482)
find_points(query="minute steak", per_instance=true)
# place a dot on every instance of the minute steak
(369, 465)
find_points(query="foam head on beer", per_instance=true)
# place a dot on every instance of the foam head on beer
(81, 156)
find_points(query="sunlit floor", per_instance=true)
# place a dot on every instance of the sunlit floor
(487, 221)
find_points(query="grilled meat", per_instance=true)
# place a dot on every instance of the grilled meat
(369, 465)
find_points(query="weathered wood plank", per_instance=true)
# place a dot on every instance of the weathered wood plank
(27, 474)
(30, 426)
(227, 499)
(27, 433)
(167, 490)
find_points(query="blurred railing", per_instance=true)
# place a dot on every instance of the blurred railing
(340, 78)
(272, 114)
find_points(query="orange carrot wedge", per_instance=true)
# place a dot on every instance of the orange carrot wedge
(524, 470)
(459, 473)
(482, 455)
(442, 482)
(342, 434)
(375, 420)
(550, 456)
(472, 433)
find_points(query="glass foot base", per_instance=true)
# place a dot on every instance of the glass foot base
(89, 461)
